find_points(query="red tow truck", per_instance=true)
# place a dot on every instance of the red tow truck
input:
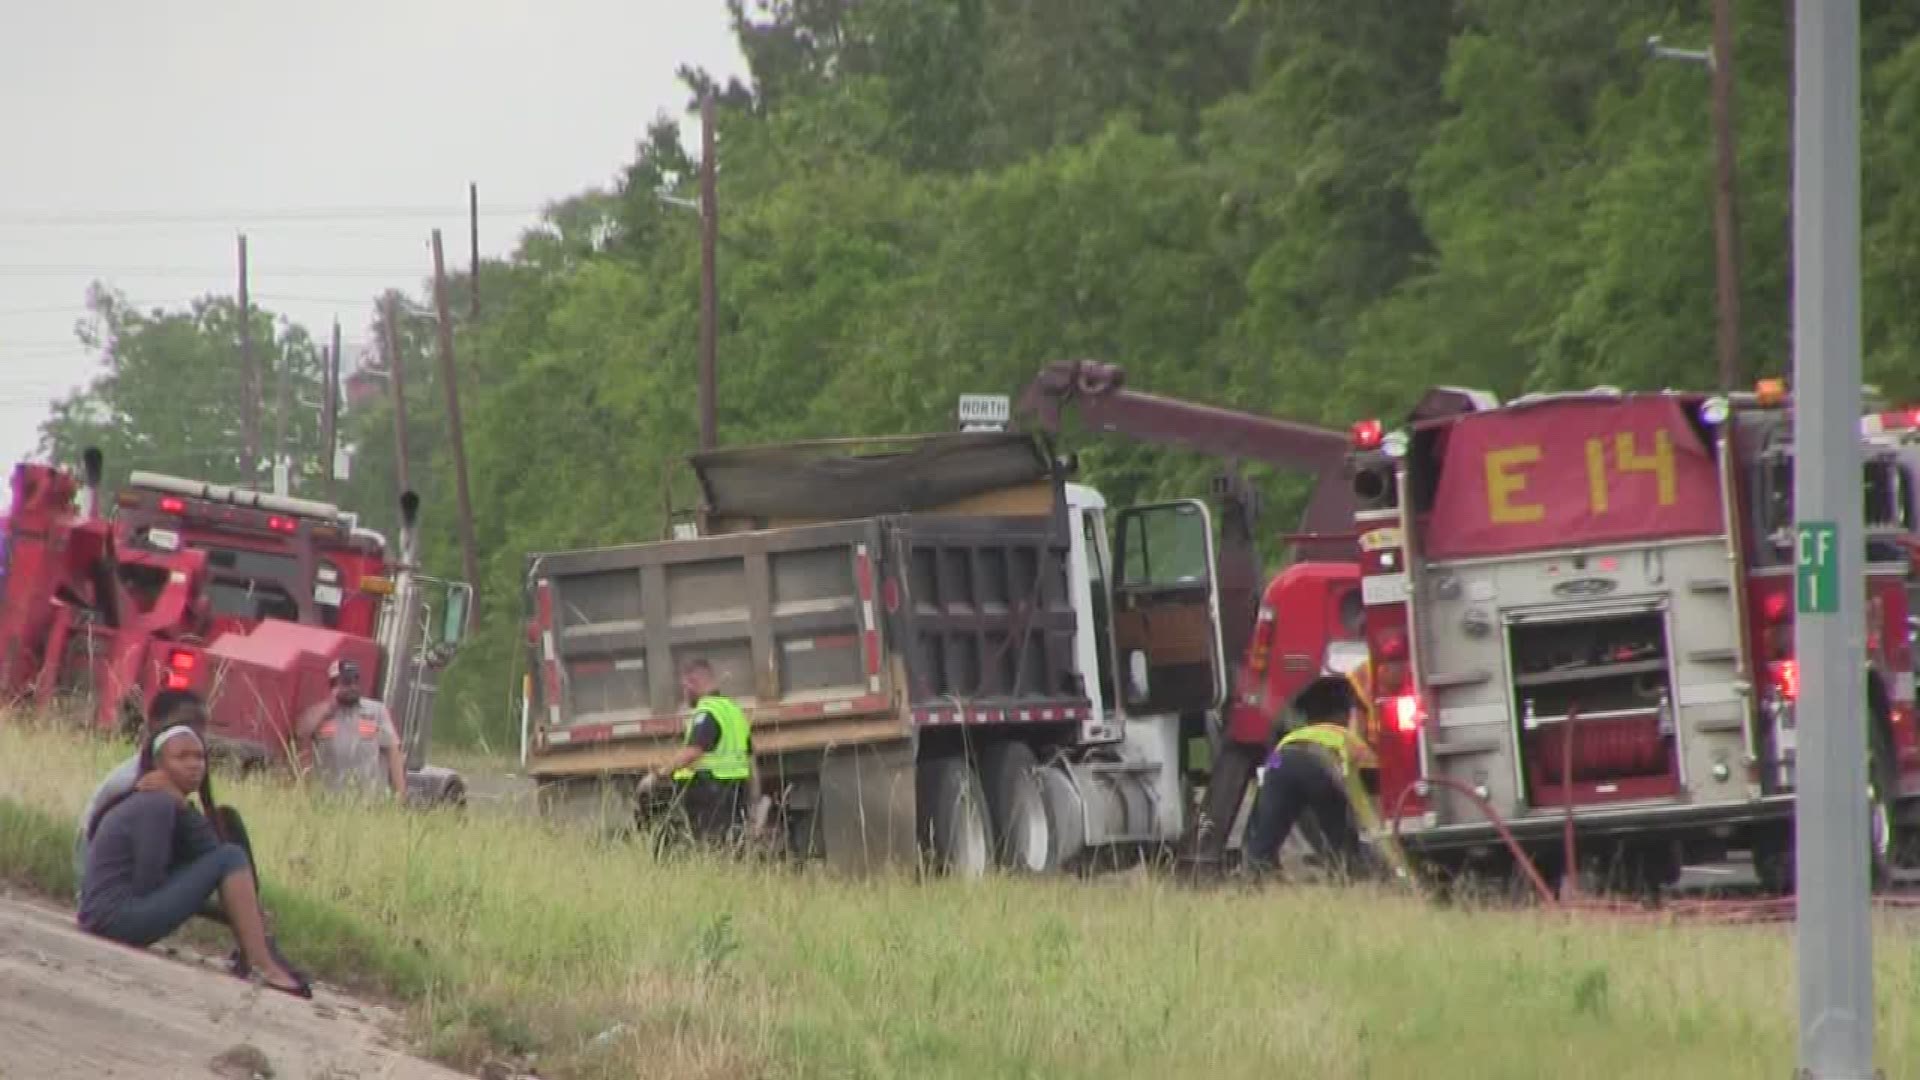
(239, 597)
(1586, 600)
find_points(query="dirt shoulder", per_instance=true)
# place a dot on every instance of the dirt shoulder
(73, 1006)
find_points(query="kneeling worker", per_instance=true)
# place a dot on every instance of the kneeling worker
(1310, 771)
(714, 774)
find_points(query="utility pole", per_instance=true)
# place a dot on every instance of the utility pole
(249, 384)
(283, 405)
(473, 244)
(1726, 220)
(330, 413)
(1835, 946)
(470, 558)
(1726, 240)
(709, 315)
(397, 386)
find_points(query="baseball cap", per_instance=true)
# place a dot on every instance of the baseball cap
(343, 669)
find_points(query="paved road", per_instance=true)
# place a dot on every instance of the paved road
(75, 1007)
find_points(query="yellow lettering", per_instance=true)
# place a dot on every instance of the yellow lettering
(1659, 463)
(1504, 482)
(1597, 475)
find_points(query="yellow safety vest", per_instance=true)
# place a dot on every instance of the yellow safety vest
(729, 760)
(1337, 740)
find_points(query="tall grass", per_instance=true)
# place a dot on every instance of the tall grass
(502, 932)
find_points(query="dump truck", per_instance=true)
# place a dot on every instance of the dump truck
(948, 651)
(1583, 602)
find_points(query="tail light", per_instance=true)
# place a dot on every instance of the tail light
(180, 668)
(1785, 677)
(173, 505)
(1391, 645)
(1774, 608)
(1367, 435)
(282, 524)
(1406, 713)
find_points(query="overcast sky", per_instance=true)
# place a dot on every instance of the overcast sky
(194, 121)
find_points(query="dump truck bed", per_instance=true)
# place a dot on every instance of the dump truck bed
(828, 635)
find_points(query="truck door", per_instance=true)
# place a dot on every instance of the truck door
(1166, 609)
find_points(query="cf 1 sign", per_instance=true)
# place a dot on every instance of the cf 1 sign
(1819, 569)
(985, 412)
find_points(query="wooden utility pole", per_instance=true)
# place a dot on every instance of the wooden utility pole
(330, 412)
(709, 316)
(249, 384)
(473, 244)
(1726, 221)
(397, 386)
(469, 556)
(282, 468)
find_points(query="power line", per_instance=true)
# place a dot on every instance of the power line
(81, 218)
(195, 271)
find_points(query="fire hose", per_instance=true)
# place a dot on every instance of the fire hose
(1726, 912)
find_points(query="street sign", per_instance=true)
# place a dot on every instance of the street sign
(985, 412)
(1818, 569)
(342, 465)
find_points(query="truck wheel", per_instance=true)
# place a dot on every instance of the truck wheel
(1883, 786)
(954, 829)
(1010, 775)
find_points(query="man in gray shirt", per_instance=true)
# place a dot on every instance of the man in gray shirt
(349, 739)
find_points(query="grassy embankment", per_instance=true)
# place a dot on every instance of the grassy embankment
(497, 931)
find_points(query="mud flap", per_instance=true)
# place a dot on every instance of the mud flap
(868, 807)
(1233, 765)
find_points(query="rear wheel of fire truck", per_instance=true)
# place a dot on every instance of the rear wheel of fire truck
(955, 833)
(1010, 776)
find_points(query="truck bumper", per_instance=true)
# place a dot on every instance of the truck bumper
(1660, 820)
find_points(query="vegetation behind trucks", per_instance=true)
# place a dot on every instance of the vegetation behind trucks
(1618, 570)
(943, 649)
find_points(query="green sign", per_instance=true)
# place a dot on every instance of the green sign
(1818, 569)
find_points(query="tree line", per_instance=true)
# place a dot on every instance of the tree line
(1309, 208)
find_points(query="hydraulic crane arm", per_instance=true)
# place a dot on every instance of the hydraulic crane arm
(1098, 391)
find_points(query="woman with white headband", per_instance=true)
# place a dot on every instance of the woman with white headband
(153, 860)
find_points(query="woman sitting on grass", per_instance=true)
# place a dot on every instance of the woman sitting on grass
(152, 861)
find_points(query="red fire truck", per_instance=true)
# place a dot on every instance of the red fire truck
(1615, 569)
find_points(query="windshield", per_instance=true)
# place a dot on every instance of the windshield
(252, 584)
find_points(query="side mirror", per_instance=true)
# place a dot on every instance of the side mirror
(453, 627)
(1137, 686)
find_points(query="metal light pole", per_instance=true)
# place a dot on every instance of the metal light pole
(1835, 939)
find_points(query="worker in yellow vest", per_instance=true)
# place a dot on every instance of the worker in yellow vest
(714, 775)
(1309, 772)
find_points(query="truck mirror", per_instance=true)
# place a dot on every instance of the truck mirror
(454, 626)
(1137, 686)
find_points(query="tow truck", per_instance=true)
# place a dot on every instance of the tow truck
(239, 597)
(1584, 601)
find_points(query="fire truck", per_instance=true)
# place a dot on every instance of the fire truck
(1585, 601)
(240, 597)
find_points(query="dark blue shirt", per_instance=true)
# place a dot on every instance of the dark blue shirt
(137, 843)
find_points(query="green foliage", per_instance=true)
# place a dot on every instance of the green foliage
(1308, 208)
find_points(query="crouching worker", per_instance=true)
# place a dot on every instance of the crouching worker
(713, 773)
(153, 861)
(1310, 772)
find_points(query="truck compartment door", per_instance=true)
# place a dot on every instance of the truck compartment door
(1166, 609)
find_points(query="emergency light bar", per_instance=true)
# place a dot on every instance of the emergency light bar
(1899, 421)
(233, 496)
